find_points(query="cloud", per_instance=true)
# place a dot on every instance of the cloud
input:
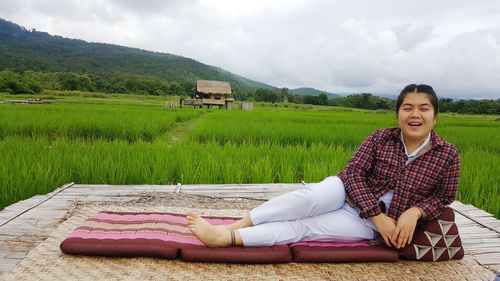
(409, 35)
(340, 46)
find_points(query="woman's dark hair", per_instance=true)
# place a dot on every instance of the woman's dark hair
(418, 88)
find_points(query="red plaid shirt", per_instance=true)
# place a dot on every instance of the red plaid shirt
(430, 181)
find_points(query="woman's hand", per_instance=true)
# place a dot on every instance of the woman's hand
(385, 225)
(405, 227)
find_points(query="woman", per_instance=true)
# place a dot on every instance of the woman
(396, 177)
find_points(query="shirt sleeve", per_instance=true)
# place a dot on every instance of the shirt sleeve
(444, 193)
(356, 172)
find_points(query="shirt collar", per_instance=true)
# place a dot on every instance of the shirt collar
(434, 141)
(418, 148)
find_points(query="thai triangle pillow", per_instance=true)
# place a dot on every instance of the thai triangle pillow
(436, 240)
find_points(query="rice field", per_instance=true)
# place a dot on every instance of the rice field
(87, 141)
(74, 121)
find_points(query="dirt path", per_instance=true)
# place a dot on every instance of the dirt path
(180, 129)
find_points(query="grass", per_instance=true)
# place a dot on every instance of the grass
(102, 121)
(126, 140)
(287, 127)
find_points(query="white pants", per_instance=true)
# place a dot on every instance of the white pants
(318, 212)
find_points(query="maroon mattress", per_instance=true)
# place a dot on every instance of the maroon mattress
(166, 235)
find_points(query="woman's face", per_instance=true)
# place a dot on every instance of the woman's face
(416, 117)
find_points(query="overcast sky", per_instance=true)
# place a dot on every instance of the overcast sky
(338, 46)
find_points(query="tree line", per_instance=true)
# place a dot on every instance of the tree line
(31, 82)
(369, 101)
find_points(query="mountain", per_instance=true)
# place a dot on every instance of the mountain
(311, 92)
(22, 49)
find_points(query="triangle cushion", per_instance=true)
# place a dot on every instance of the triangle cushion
(436, 240)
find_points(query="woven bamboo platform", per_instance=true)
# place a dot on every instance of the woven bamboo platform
(26, 225)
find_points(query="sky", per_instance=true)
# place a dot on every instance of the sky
(340, 46)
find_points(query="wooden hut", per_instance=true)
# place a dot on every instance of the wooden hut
(246, 106)
(216, 93)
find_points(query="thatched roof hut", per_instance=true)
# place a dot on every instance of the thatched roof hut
(212, 93)
(213, 87)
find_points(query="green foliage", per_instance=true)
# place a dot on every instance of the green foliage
(365, 101)
(31, 82)
(268, 95)
(288, 127)
(106, 122)
(470, 106)
(18, 84)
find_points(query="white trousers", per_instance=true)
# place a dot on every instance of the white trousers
(318, 212)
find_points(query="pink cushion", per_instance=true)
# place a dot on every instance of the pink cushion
(166, 235)
(163, 235)
(436, 240)
(120, 247)
(130, 234)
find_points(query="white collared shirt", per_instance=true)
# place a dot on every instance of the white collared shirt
(414, 153)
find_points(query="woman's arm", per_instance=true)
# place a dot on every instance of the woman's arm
(428, 209)
(444, 194)
(355, 173)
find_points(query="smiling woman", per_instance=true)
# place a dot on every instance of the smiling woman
(396, 177)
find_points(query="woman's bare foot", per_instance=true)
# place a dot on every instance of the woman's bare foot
(210, 235)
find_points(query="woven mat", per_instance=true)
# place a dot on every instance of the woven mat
(47, 262)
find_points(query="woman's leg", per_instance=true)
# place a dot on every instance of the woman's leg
(317, 198)
(340, 225)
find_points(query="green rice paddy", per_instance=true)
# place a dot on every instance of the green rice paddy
(127, 140)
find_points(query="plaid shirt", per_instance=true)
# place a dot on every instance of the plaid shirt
(430, 181)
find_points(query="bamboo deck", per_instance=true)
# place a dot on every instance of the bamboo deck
(27, 223)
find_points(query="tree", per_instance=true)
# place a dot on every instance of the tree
(323, 99)
(13, 83)
(266, 95)
(284, 94)
(445, 104)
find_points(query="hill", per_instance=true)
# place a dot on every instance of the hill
(312, 92)
(22, 50)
